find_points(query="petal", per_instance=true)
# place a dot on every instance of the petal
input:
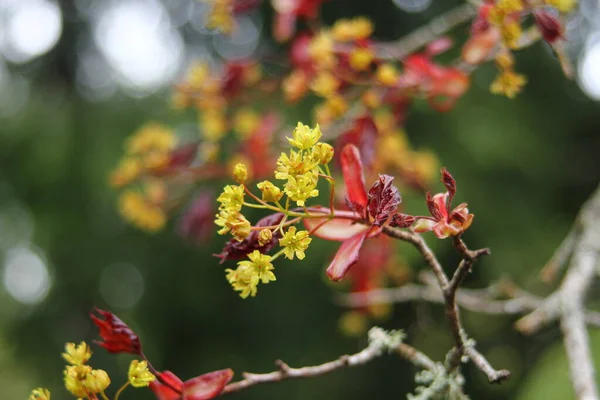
(353, 175)
(346, 256)
(206, 386)
(164, 392)
(442, 230)
(339, 229)
(423, 225)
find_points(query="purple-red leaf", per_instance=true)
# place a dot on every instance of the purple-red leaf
(549, 25)
(450, 184)
(116, 335)
(402, 220)
(363, 135)
(235, 250)
(433, 207)
(196, 223)
(352, 170)
(384, 199)
(338, 229)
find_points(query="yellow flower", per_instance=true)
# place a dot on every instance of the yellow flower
(149, 137)
(508, 83)
(232, 198)
(213, 125)
(325, 84)
(296, 163)
(337, 105)
(136, 209)
(510, 6)
(371, 99)
(245, 122)
(563, 6)
(295, 243)
(77, 354)
(82, 380)
(198, 75)
(270, 192)
(361, 58)
(139, 376)
(320, 49)
(220, 15)
(346, 30)
(39, 394)
(233, 221)
(295, 85)
(302, 187)
(323, 152)
(304, 138)
(128, 170)
(387, 74)
(511, 33)
(265, 236)
(248, 274)
(240, 173)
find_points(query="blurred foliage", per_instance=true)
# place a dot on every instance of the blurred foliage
(525, 166)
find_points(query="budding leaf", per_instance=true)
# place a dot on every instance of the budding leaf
(402, 220)
(116, 335)
(384, 199)
(207, 386)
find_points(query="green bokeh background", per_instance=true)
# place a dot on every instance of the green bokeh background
(525, 166)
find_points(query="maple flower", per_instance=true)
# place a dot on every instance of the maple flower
(138, 374)
(508, 83)
(302, 187)
(325, 84)
(361, 58)
(320, 49)
(297, 163)
(295, 243)
(323, 153)
(203, 387)
(304, 138)
(265, 236)
(240, 173)
(233, 221)
(136, 208)
(77, 354)
(82, 380)
(387, 74)
(245, 122)
(347, 30)
(116, 336)
(232, 198)
(444, 221)
(270, 192)
(373, 210)
(39, 394)
(249, 273)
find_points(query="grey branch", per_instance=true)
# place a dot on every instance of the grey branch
(566, 304)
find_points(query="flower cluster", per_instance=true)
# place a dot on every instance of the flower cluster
(497, 31)
(84, 382)
(301, 169)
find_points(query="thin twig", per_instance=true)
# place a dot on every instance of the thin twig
(494, 376)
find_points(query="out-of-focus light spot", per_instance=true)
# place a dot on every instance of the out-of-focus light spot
(139, 42)
(32, 28)
(94, 77)
(589, 70)
(121, 285)
(243, 41)
(412, 6)
(25, 276)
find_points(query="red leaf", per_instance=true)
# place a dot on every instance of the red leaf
(339, 229)
(346, 256)
(207, 386)
(352, 170)
(196, 222)
(384, 199)
(450, 184)
(235, 250)
(116, 335)
(433, 207)
(165, 392)
(183, 156)
(549, 26)
(363, 135)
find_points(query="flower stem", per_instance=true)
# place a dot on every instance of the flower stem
(121, 390)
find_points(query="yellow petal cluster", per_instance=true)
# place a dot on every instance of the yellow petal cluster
(39, 394)
(81, 379)
(249, 273)
(139, 375)
(139, 209)
(77, 354)
(295, 243)
(347, 30)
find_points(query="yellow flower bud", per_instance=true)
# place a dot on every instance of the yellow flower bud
(240, 173)
(77, 354)
(323, 152)
(387, 74)
(265, 236)
(39, 394)
(97, 381)
(270, 192)
(361, 58)
(139, 376)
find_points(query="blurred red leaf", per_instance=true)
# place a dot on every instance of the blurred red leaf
(352, 170)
